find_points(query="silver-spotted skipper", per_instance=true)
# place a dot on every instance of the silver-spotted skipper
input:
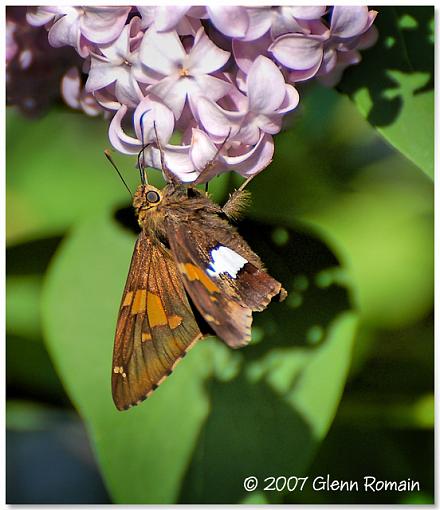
(191, 275)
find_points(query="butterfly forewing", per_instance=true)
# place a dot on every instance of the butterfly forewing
(155, 325)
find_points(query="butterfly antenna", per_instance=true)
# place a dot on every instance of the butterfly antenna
(108, 156)
(141, 167)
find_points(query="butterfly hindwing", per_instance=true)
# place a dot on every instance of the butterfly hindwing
(222, 275)
(155, 325)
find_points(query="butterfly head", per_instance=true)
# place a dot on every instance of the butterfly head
(145, 202)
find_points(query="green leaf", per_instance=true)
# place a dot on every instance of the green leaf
(29, 370)
(255, 498)
(395, 391)
(142, 452)
(393, 86)
(282, 390)
(419, 414)
(23, 305)
(389, 257)
(270, 419)
(367, 202)
(56, 173)
(26, 264)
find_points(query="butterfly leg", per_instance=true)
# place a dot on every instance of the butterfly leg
(211, 162)
(238, 201)
(246, 182)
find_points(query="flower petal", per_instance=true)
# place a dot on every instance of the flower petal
(262, 72)
(90, 106)
(230, 20)
(127, 90)
(168, 16)
(291, 100)
(202, 150)
(65, 31)
(101, 74)
(260, 20)
(344, 59)
(308, 12)
(148, 113)
(118, 50)
(38, 16)
(172, 92)
(216, 120)
(205, 56)
(177, 160)
(143, 74)
(246, 52)
(162, 52)
(270, 123)
(306, 74)
(102, 25)
(349, 21)
(250, 131)
(212, 87)
(368, 39)
(185, 123)
(253, 161)
(105, 97)
(198, 11)
(188, 26)
(297, 51)
(120, 141)
(328, 61)
(147, 13)
(284, 22)
(71, 87)
(240, 80)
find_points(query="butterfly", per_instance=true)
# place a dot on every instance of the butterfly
(191, 275)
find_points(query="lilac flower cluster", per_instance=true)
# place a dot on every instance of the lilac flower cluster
(222, 76)
(33, 68)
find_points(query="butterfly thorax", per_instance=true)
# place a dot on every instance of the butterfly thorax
(153, 206)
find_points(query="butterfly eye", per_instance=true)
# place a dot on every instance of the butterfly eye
(153, 197)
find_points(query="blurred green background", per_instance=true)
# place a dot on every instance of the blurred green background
(337, 380)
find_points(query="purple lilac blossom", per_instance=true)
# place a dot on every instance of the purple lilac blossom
(223, 77)
(34, 69)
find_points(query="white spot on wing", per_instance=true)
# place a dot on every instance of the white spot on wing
(225, 260)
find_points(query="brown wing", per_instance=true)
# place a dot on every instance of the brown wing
(155, 325)
(225, 299)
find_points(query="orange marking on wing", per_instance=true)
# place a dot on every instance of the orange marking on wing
(206, 281)
(128, 298)
(155, 311)
(174, 321)
(146, 337)
(139, 302)
(195, 273)
(189, 270)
